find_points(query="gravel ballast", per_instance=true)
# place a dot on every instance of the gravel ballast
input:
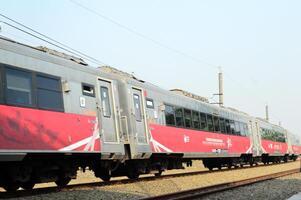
(276, 189)
(142, 189)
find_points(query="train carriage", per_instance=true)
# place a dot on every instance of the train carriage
(57, 114)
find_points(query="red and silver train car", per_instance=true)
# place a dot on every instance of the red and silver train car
(57, 115)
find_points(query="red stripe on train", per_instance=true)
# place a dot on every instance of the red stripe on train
(31, 129)
(172, 139)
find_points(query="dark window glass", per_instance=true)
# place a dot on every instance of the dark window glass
(49, 99)
(203, 122)
(216, 124)
(222, 125)
(187, 117)
(195, 120)
(228, 127)
(210, 122)
(88, 90)
(246, 128)
(19, 87)
(1, 85)
(137, 108)
(170, 115)
(232, 127)
(48, 83)
(179, 117)
(105, 101)
(150, 103)
(49, 95)
(242, 129)
(237, 128)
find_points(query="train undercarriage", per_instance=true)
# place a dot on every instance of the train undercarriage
(61, 168)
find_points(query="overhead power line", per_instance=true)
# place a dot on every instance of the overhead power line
(53, 41)
(160, 44)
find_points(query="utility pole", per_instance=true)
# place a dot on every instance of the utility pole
(221, 87)
(267, 112)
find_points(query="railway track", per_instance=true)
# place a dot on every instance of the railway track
(200, 192)
(52, 189)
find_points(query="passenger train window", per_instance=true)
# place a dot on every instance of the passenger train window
(179, 117)
(216, 124)
(195, 120)
(246, 128)
(105, 101)
(242, 130)
(203, 122)
(137, 104)
(210, 123)
(49, 95)
(170, 115)
(232, 127)
(19, 87)
(237, 128)
(187, 117)
(88, 90)
(1, 85)
(222, 125)
(149, 103)
(228, 127)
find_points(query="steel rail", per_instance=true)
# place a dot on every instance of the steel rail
(199, 192)
(51, 189)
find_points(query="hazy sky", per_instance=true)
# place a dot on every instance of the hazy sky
(257, 43)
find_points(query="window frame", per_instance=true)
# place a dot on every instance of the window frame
(59, 90)
(242, 129)
(232, 127)
(32, 87)
(177, 117)
(185, 125)
(228, 126)
(138, 111)
(201, 121)
(174, 116)
(198, 120)
(108, 100)
(150, 100)
(88, 85)
(208, 116)
(237, 128)
(218, 123)
(222, 125)
(1, 85)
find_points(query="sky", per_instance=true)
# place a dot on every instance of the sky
(181, 44)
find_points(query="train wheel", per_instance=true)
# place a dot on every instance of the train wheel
(133, 173)
(28, 185)
(105, 175)
(11, 186)
(158, 174)
(62, 181)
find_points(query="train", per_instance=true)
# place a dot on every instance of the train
(58, 115)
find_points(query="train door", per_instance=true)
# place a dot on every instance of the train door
(140, 128)
(258, 137)
(139, 114)
(108, 117)
(254, 139)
